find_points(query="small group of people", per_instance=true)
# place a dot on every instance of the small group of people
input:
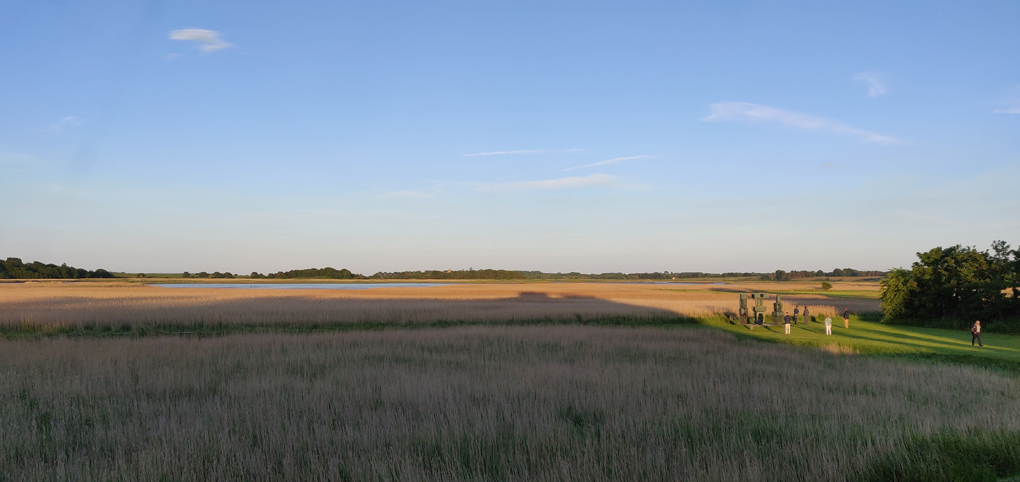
(975, 329)
(828, 321)
(796, 314)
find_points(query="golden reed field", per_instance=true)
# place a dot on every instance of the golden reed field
(528, 403)
(60, 303)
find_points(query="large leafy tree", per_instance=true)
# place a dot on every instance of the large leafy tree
(955, 285)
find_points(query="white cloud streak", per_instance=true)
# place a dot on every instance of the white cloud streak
(69, 121)
(409, 194)
(208, 40)
(745, 111)
(550, 184)
(1015, 110)
(607, 161)
(873, 80)
(528, 151)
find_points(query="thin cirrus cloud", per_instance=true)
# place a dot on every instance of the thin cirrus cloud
(745, 111)
(66, 122)
(527, 151)
(1014, 110)
(409, 194)
(550, 184)
(208, 40)
(876, 86)
(607, 161)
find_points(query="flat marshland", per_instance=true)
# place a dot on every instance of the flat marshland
(494, 382)
(479, 403)
(75, 307)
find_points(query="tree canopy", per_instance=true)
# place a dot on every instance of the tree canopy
(327, 273)
(14, 268)
(952, 287)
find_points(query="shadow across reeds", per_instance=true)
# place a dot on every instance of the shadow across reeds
(137, 317)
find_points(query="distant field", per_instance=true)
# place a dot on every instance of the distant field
(493, 403)
(122, 306)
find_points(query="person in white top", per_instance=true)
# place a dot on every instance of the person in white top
(975, 333)
(828, 325)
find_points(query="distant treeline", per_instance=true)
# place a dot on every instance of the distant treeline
(216, 274)
(450, 274)
(665, 275)
(952, 287)
(325, 273)
(779, 275)
(14, 268)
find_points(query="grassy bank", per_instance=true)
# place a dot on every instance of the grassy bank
(486, 403)
(875, 338)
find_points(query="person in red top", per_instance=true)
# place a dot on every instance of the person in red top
(975, 333)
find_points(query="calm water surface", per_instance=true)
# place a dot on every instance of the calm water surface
(360, 286)
(300, 286)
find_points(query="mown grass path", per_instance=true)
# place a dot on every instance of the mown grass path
(874, 338)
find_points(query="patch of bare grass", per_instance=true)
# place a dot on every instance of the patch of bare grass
(837, 349)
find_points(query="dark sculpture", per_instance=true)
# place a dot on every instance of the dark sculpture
(756, 314)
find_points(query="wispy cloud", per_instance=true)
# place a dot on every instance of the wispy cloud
(208, 40)
(1014, 110)
(874, 81)
(550, 184)
(607, 161)
(744, 111)
(66, 122)
(527, 151)
(409, 194)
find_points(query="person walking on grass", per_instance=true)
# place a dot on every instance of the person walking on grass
(975, 333)
(846, 318)
(807, 318)
(786, 322)
(796, 313)
(828, 325)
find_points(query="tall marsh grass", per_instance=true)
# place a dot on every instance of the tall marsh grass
(478, 403)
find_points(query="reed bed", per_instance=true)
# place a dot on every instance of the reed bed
(52, 305)
(477, 403)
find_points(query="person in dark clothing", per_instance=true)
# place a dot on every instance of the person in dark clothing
(796, 313)
(846, 318)
(975, 333)
(786, 322)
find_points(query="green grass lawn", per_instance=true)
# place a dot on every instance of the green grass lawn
(874, 338)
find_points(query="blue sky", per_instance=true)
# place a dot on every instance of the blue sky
(558, 136)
